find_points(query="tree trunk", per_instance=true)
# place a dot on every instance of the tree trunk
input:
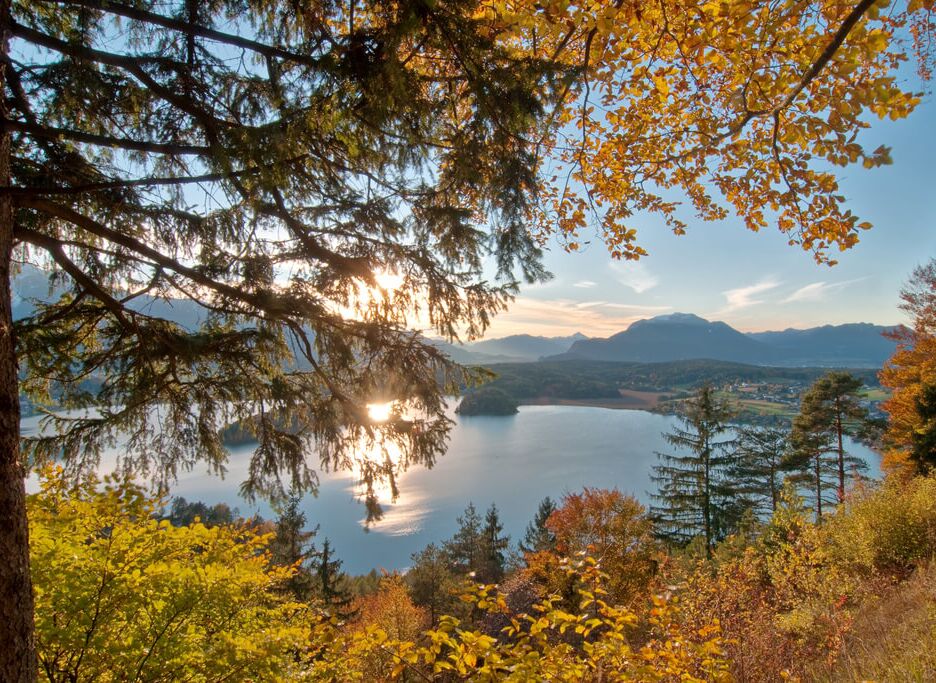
(17, 635)
(841, 457)
(818, 464)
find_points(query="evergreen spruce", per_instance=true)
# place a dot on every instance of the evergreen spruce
(262, 166)
(538, 536)
(464, 548)
(292, 546)
(331, 585)
(761, 465)
(491, 557)
(694, 489)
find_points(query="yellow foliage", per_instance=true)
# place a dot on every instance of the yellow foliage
(121, 596)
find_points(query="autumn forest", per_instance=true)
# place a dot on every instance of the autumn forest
(342, 190)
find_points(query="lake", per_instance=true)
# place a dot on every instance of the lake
(511, 461)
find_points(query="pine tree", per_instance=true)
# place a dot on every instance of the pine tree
(829, 410)
(432, 583)
(491, 558)
(464, 548)
(330, 583)
(268, 166)
(538, 537)
(761, 463)
(292, 546)
(695, 493)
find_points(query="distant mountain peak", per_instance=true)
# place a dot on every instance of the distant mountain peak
(679, 318)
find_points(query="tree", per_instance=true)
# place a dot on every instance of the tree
(910, 374)
(122, 595)
(761, 463)
(829, 410)
(694, 485)
(184, 513)
(464, 548)
(292, 547)
(538, 536)
(489, 567)
(278, 164)
(432, 583)
(616, 531)
(331, 585)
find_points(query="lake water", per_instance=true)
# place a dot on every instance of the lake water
(511, 461)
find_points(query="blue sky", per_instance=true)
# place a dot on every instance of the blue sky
(755, 281)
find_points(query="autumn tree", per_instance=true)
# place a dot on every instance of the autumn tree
(121, 594)
(615, 530)
(695, 490)
(830, 410)
(282, 164)
(538, 536)
(910, 374)
(761, 463)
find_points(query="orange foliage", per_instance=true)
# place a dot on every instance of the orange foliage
(391, 610)
(614, 529)
(910, 369)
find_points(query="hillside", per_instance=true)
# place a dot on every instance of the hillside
(587, 379)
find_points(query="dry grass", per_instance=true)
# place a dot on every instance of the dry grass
(893, 637)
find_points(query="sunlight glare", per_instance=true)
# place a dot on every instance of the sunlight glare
(380, 412)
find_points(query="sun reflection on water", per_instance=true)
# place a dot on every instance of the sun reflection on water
(402, 514)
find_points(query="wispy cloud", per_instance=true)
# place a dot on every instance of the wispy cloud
(554, 317)
(635, 275)
(817, 291)
(744, 297)
(585, 284)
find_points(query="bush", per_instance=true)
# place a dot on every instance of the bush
(120, 595)
(890, 528)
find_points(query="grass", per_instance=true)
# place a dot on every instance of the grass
(893, 637)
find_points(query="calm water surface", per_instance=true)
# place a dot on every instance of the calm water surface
(511, 461)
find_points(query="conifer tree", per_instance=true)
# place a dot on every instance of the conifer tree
(761, 463)
(432, 582)
(491, 558)
(292, 546)
(694, 489)
(331, 584)
(464, 548)
(538, 536)
(829, 410)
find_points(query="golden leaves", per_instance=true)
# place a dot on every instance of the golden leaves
(704, 109)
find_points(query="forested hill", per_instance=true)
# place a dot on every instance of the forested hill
(585, 379)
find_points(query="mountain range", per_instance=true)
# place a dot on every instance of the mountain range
(683, 336)
(672, 337)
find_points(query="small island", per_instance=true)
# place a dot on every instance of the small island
(487, 401)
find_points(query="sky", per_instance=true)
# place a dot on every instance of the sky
(755, 281)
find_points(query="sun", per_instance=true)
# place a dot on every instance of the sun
(380, 412)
